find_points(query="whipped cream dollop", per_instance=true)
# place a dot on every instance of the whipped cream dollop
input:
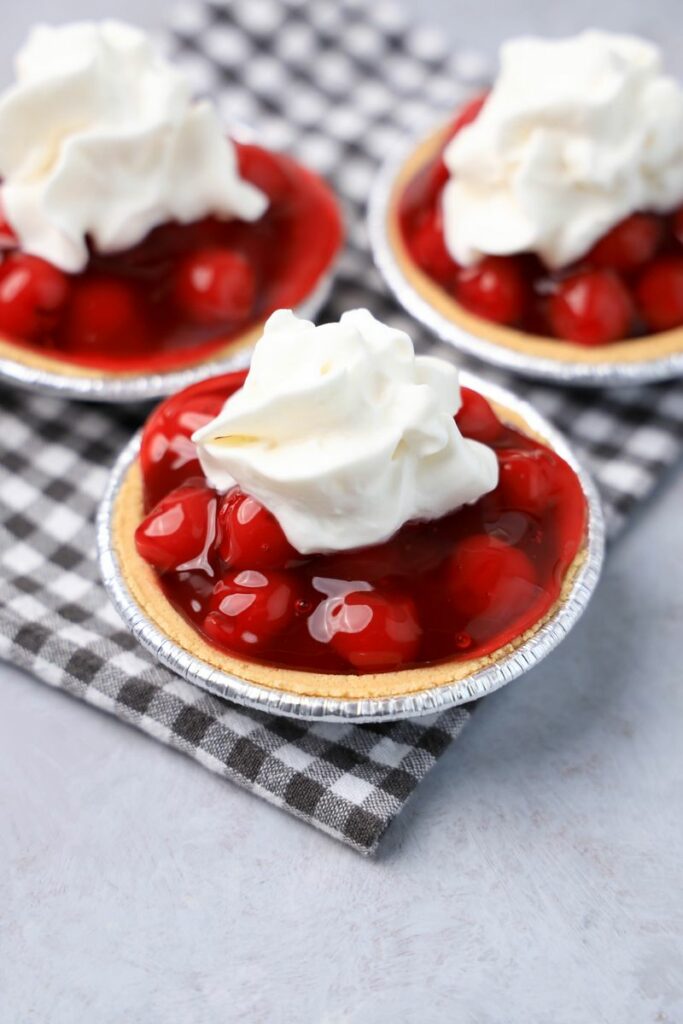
(344, 434)
(575, 135)
(100, 136)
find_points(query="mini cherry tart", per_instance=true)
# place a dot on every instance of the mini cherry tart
(185, 291)
(629, 284)
(456, 588)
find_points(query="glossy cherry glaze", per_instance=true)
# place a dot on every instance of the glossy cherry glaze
(458, 587)
(185, 290)
(629, 284)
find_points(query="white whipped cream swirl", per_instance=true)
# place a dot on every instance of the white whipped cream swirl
(344, 434)
(575, 135)
(100, 136)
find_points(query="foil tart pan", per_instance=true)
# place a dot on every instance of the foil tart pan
(430, 701)
(572, 373)
(144, 387)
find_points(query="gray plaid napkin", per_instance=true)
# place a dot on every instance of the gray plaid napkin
(263, 60)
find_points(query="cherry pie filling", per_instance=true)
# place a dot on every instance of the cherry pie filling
(629, 284)
(455, 588)
(184, 291)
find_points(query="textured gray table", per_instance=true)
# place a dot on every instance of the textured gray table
(535, 879)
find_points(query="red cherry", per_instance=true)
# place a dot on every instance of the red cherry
(428, 247)
(8, 238)
(430, 184)
(476, 419)
(32, 295)
(372, 631)
(468, 113)
(251, 537)
(215, 286)
(677, 224)
(270, 172)
(249, 608)
(486, 577)
(659, 294)
(105, 316)
(591, 308)
(167, 455)
(630, 244)
(180, 532)
(495, 289)
(421, 195)
(530, 481)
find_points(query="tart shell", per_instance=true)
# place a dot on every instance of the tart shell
(40, 372)
(652, 357)
(134, 587)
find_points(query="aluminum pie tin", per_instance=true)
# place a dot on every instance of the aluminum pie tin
(481, 682)
(573, 373)
(144, 386)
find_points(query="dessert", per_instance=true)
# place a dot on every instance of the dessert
(135, 236)
(343, 521)
(546, 217)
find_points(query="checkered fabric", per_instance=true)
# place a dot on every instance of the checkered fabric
(336, 83)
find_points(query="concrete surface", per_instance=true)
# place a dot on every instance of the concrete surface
(535, 879)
